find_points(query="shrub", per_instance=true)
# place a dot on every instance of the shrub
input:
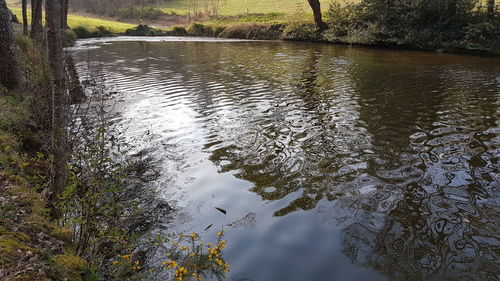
(70, 36)
(82, 32)
(144, 30)
(177, 31)
(218, 30)
(139, 12)
(482, 36)
(69, 266)
(341, 18)
(103, 31)
(24, 42)
(14, 115)
(259, 31)
(188, 257)
(198, 29)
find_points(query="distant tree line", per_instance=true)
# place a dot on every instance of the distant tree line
(108, 7)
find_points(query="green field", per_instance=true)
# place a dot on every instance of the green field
(239, 7)
(88, 22)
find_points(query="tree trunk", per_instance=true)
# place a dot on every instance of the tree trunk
(316, 7)
(64, 14)
(491, 7)
(56, 60)
(25, 17)
(8, 62)
(452, 8)
(36, 20)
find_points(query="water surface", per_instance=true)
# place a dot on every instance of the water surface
(333, 163)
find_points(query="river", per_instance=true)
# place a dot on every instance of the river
(332, 162)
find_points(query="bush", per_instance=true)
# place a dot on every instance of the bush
(259, 31)
(82, 32)
(218, 30)
(177, 31)
(24, 42)
(198, 29)
(482, 36)
(143, 13)
(144, 30)
(69, 267)
(102, 31)
(342, 18)
(71, 37)
(14, 115)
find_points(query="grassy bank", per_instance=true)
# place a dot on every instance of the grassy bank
(242, 7)
(352, 22)
(32, 245)
(90, 23)
(466, 29)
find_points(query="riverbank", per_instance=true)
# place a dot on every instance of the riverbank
(471, 32)
(41, 239)
(479, 38)
(32, 245)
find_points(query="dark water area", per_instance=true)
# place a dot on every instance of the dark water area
(333, 163)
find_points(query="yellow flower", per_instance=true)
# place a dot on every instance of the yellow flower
(185, 248)
(191, 254)
(182, 271)
(170, 264)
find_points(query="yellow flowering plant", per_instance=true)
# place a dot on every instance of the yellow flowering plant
(191, 259)
(125, 266)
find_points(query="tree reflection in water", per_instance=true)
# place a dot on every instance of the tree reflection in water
(399, 150)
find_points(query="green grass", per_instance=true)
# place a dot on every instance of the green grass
(239, 7)
(88, 22)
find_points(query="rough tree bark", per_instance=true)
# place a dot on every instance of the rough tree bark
(316, 7)
(56, 60)
(25, 16)
(452, 8)
(64, 14)
(8, 62)
(491, 7)
(36, 20)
